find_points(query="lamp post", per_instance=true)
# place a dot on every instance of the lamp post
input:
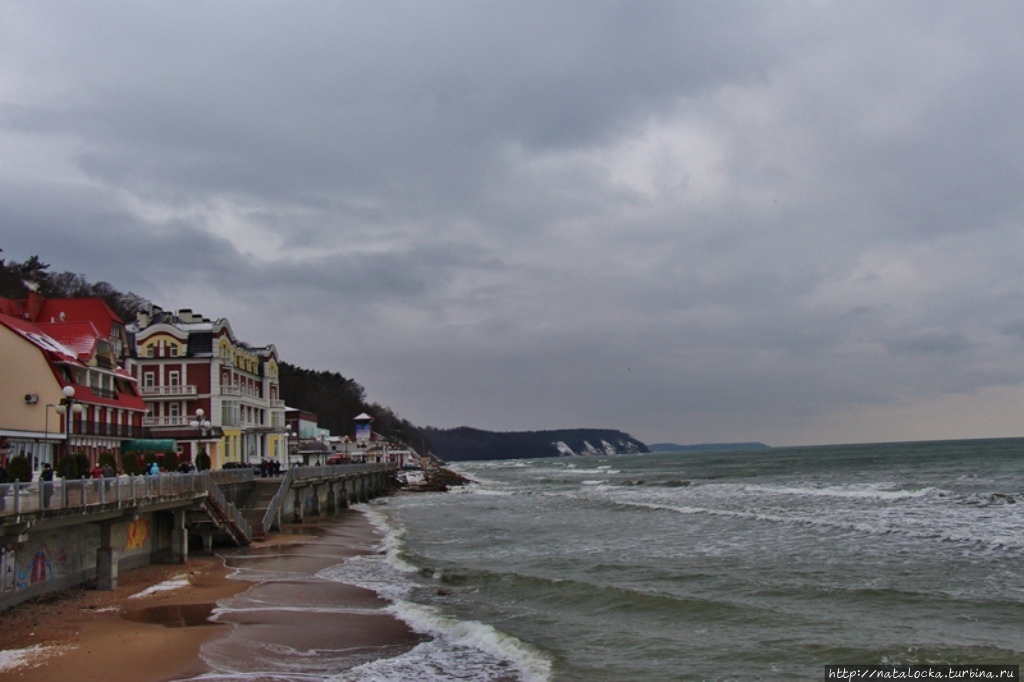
(46, 438)
(203, 426)
(324, 447)
(288, 446)
(69, 407)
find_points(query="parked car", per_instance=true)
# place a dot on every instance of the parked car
(338, 458)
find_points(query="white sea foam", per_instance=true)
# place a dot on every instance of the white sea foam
(175, 583)
(869, 491)
(14, 659)
(391, 540)
(488, 491)
(916, 521)
(459, 642)
(460, 649)
(599, 471)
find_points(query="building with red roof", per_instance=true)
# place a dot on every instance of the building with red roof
(50, 348)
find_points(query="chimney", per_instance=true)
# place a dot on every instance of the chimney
(35, 304)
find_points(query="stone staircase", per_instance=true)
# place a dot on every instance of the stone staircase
(258, 502)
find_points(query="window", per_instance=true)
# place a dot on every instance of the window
(149, 379)
(174, 378)
(150, 351)
(174, 351)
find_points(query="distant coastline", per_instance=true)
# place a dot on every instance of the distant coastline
(706, 447)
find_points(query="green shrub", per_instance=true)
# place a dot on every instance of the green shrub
(73, 466)
(19, 469)
(130, 464)
(170, 462)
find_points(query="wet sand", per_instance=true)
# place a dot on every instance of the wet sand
(274, 610)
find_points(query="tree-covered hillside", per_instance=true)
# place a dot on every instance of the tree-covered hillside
(17, 279)
(337, 401)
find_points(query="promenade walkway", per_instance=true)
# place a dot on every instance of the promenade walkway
(95, 522)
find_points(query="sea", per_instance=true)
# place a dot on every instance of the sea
(767, 564)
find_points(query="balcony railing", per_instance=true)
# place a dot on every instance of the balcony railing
(166, 422)
(103, 392)
(237, 391)
(169, 391)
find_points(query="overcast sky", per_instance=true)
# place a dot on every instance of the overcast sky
(793, 222)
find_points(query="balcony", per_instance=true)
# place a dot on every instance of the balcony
(103, 429)
(244, 395)
(103, 392)
(166, 422)
(169, 391)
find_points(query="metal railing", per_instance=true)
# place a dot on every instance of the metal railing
(333, 470)
(303, 473)
(85, 493)
(232, 512)
(270, 516)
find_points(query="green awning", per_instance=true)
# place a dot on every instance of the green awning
(150, 445)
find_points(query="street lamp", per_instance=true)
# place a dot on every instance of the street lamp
(46, 438)
(69, 407)
(289, 447)
(202, 426)
(324, 447)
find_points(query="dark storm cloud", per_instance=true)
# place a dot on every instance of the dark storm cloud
(782, 218)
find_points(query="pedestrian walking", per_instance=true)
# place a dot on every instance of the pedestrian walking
(47, 482)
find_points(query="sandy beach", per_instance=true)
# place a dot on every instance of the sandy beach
(151, 628)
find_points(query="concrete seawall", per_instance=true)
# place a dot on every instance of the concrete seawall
(90, 530)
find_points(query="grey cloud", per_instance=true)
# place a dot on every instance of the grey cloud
(929, 344)
(773, 214)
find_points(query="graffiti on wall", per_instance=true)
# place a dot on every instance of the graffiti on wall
(40, 569)
(8, 568)
(137, 534)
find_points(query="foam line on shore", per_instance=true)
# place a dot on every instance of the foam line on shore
(30, 657)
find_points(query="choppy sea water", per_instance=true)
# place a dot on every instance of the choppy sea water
(761, 565)
(767, 564)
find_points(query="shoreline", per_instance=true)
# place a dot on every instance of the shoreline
(157, 615)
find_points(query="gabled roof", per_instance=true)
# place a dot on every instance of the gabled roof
(93, 310)
(80, 337)
(74, 344)
(33, 334)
